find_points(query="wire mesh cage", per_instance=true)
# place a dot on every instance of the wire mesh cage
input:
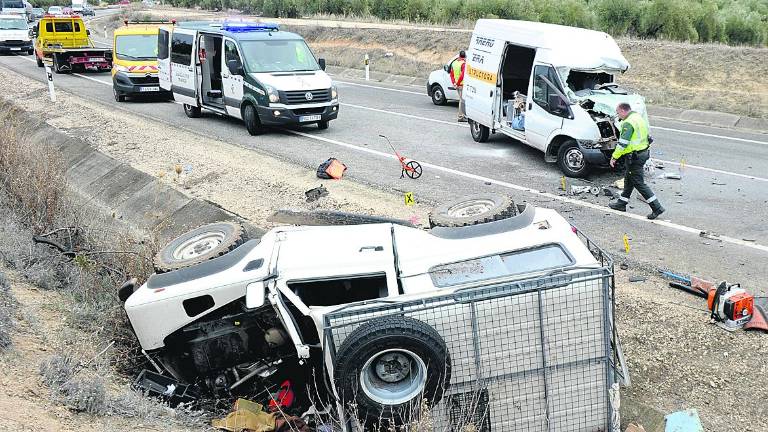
(533, 355)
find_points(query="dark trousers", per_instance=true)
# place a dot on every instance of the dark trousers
(634, 179)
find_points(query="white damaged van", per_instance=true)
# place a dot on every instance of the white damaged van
(248, 70)
(548, 86)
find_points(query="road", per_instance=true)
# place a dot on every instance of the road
(722, 191)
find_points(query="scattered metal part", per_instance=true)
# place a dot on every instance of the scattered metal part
(637, 279)
(316, 193)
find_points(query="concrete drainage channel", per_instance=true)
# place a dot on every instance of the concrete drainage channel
(134, 198)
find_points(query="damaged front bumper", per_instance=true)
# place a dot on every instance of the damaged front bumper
(598, 152)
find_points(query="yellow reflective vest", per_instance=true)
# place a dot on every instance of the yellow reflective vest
(638, 141)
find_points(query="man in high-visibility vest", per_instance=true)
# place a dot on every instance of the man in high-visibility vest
(457, 79)
(634, 147)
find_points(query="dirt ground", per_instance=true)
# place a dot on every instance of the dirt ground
(677, 360)
(41, 330)
(672, 74)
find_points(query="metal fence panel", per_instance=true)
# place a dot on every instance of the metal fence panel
(531, 356)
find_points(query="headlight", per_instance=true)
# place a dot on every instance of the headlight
(120, 68)
(590, 144)
(334, 92)
(273, 96)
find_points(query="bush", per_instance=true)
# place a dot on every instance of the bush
(7, 306)
(87, 394)
(57, 370)
(672, 19)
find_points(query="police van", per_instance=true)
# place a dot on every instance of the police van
(549, 86)
(247, 70)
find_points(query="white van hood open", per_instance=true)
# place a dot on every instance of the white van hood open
(295, 80)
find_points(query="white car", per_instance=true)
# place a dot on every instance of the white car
(492, 302)
(55, 10)
(439, 86)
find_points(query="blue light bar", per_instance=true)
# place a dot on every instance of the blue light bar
(246, 26)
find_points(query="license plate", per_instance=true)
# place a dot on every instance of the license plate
(310, 118)
(96, 59)
(149, 89)
(15, 49)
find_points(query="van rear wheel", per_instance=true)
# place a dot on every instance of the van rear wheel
(479, 132)
(571, 160)
(192, 111)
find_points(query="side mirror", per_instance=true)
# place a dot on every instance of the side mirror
(126, 289)
(88, 32)
(235, 68)
(255, 295)
(446, 68)
(321, 62)
(33, 32)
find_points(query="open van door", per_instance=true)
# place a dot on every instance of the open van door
(547, 106)
(183, 66)
(164, 58)
(481, 79)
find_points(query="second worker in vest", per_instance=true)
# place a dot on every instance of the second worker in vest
(634, 147)
(457, 79)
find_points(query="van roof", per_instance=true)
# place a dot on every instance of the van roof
(215, 27)
(574, 47)
(138, 29)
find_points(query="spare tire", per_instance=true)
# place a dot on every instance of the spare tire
(200, 244)
(472, 211)
(388, 365)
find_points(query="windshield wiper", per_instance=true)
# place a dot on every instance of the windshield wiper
(129, 56)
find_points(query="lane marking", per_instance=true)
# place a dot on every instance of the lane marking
(652, 127)
(109, 83)
(711, 135)
(734, 174)
(462, 125)
(536, 192)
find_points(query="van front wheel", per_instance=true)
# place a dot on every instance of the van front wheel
(479, 132)
(251, 120)
(571, 160)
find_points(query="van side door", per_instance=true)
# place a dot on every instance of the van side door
(481, 90)
(183, 66)
(232, 80)
(546, 109)
(164, 58)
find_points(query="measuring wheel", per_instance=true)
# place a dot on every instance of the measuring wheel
(412, 169)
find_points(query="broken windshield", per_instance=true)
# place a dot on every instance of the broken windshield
(278, 56)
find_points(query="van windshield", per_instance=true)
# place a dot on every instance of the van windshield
(278, 56)
(13, 24)
(136, 47)
(13, 4)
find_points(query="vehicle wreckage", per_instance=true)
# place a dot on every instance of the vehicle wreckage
(500, 316)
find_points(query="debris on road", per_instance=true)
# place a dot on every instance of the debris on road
(684, 421)
(609, 193)
(618, 184)
(577, 190)
(315, 194)
(718, 183)
(670, 176)
(331, 169)
(638, 278)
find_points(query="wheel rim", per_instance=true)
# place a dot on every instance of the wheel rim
(393, 377)
(471, 208)
(438, 94)
(475, 129)
(199, 245)
(574, 159)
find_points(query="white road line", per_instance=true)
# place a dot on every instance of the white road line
(747, 176)
(652, 127)
(109, 83)
(383, 88)
(464, 125)
(548, 195)
(711, 135)
(108, 45)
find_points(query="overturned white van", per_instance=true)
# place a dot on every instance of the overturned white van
(549, 86)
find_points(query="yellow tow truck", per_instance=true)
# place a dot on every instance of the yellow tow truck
(134, 60)
(64, 42)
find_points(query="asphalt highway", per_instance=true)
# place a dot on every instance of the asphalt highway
(723, 189)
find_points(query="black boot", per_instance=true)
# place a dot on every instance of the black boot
(656, 210)
(618, 205)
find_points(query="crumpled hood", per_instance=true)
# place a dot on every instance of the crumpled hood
(295, 81)
(606, 103)
(14, 35)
